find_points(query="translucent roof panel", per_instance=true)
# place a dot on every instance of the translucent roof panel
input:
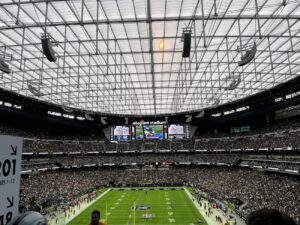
(125, 56)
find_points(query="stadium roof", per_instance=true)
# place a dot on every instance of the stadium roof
(125, 56)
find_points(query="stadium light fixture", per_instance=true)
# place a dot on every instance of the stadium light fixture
(161, 45)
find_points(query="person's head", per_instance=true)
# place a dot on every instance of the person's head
(269, 217)
(29, 218)
(95, 217)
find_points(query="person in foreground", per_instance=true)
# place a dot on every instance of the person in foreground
(95, 218)
(269, 217)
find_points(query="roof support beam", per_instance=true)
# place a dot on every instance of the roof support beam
(152, 20)
(97, 40)
(151, 52)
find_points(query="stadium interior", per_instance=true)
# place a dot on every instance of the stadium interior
(151, 111)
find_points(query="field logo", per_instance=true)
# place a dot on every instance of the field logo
(141, 207)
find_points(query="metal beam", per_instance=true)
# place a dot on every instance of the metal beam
(151, 52)
(146, 20)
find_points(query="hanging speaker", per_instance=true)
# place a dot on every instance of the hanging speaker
(248, 56)
(48, 48)
(233, 85)
(66, 108)
(35, 90)
(88, 117)
(4, 66)
(186, 44)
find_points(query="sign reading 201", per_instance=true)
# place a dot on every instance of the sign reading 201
(7, 167)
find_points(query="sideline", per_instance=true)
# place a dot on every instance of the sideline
(61, 217)
(196, 204)
(85, 206)
(211, 219)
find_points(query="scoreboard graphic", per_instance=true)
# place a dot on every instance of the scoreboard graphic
(176, 132)
(120, 133)
(148, 131)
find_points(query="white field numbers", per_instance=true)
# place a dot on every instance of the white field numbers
(10, 174)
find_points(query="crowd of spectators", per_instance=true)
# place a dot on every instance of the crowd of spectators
(284, 140)
(279, 135)
(281, 165)
(290, 140)
(46, 189)
(50, 146)
(146, 159)
(282, 162)
(278, 126)
(254, 188)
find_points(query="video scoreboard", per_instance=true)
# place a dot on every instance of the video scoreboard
(176, 131)
(149, 131)
(120, 133)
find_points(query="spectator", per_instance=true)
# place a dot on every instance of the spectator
(269, 217)
(95, 218)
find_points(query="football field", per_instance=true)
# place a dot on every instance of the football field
(168, 206)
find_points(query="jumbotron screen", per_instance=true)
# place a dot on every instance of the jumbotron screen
(176, 131)
(120, 133)
(149, 132)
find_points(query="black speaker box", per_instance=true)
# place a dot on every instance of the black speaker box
(48, 50)
(186, 45)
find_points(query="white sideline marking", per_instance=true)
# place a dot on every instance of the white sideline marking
(196, 204)
(84, 208)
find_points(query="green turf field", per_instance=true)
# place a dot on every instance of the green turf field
(166, 206)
